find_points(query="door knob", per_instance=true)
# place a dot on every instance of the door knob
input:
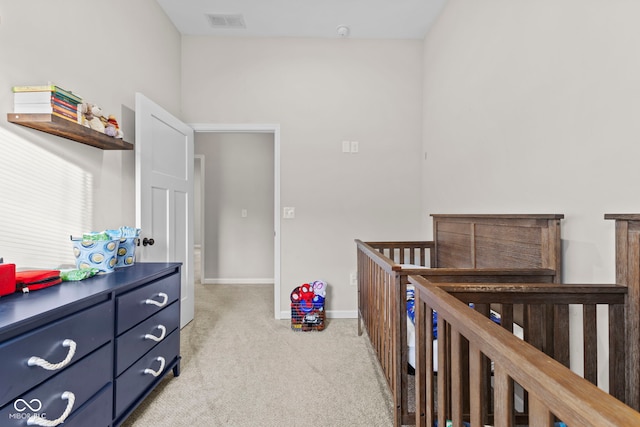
(149, 242)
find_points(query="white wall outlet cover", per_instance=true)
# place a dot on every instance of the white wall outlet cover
(288, 212)
(354, 146)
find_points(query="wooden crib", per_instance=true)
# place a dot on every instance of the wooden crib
(481, 363)
(465, 248)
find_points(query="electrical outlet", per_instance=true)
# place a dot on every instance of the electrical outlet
(243, 213)
(355, 146)
(353, 279)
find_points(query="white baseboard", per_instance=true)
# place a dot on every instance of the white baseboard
(331, 314)
(237, 281)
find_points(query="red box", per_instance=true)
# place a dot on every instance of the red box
(7, 279)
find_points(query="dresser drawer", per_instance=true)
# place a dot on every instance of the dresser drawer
(68, 390)
(137, 305)
(151, 367)
(144, 336)
(95, 413)
(61, 343)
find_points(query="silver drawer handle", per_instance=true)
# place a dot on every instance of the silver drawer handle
(159, 371)
(37, 361)
(162, 295)
(163, 332)
(36, 420)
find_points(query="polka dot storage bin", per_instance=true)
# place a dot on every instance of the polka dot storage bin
(100, 254)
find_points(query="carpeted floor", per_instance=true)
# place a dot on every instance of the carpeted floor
(240, 367)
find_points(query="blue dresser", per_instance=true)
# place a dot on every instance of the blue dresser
(87, 353)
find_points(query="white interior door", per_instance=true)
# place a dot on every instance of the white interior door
(164, 193)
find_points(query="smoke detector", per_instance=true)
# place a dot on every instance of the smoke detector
(343, 30)
(226, 21)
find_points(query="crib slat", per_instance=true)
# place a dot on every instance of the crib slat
(503, 392)
(590, 343)
(456, 377)
(617, 376)
(549, 314)
(535, 325)
(506, 316)
(561, 334)
(475, 386)
(539, 415)
(444, 373)
(487, 393)
(422, 420)
(428, 354)
(402, 357)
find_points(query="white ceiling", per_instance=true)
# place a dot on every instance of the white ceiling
(369, 19)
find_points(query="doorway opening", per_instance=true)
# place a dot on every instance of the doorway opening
(274, 131)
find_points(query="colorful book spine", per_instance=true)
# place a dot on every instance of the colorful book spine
(67, 94)
(57, 99)
(63, 111)
(71, 109)
(62, 116)
(62, 97)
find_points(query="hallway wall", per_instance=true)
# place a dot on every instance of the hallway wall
(323, 92)
(238, 178)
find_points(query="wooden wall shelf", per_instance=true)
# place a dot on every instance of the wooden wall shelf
(64, 128)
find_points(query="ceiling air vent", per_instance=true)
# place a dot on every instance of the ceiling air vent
(226, 21)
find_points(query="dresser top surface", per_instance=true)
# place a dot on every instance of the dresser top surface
(36, 306)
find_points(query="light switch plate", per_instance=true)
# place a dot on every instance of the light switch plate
(346, 146)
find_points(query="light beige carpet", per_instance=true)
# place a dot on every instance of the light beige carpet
(240, 367)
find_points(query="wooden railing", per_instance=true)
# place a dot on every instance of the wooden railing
(468, 341)
(381, 309)
(480, 364)
(382, 281)
(410, 252)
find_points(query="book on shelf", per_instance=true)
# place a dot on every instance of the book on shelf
(71, 109)
(65, 110)
(47, 88)
(46, 107)
(55, 99)
(64, 116)
(41, 96)
(49, 109)
(73, 115)
(33, 108)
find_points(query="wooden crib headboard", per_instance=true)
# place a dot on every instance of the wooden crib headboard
(498, 241)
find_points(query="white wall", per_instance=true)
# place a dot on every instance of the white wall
(322, 92)
(533, 107)
(53, 187)
(238, 176)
